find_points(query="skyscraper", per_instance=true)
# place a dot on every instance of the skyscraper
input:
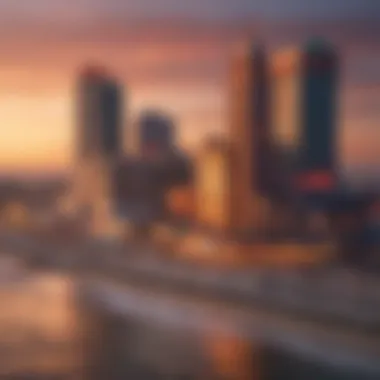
(303, 90)
(261, 153)
(98, 144)
(304, 84)
(249, 134)
(213, 185)
(286, 122)
(156, 131)
(99, 115)
(318, 140)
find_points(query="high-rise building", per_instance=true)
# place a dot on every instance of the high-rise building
(303, 94)
(261, 153)
(99, 145)
(304, 84)
(100, 115)
(156, 131)
(138, 192)
(213, 185)
(249, 134)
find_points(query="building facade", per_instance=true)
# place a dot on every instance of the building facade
(100, 115)
(99, 144)
(138, 191)
(303, 103)
(156, 133)
(213, 186)
(249, 134)
(304, 87)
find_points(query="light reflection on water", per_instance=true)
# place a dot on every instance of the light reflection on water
(42, 337)
(45, 332)
(39, 330)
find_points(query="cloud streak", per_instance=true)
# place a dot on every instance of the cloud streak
(170, 64)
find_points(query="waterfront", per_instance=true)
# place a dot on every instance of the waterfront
(61, 326)
(39, 326)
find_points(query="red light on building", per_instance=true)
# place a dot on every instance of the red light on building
(316, 181)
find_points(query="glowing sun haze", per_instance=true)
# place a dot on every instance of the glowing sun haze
(170, 54)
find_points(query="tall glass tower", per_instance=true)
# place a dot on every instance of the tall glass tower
(99, 115)
(304, 87)
(98, 146)
(249, 136)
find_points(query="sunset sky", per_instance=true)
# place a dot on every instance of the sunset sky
(170, 54)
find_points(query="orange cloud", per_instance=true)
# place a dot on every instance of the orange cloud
(179, 67)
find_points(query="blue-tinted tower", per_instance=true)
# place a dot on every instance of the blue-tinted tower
(319, 90)
(100, 114)
(261, 152)
(303, 98)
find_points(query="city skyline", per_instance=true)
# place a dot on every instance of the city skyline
(179, 69)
